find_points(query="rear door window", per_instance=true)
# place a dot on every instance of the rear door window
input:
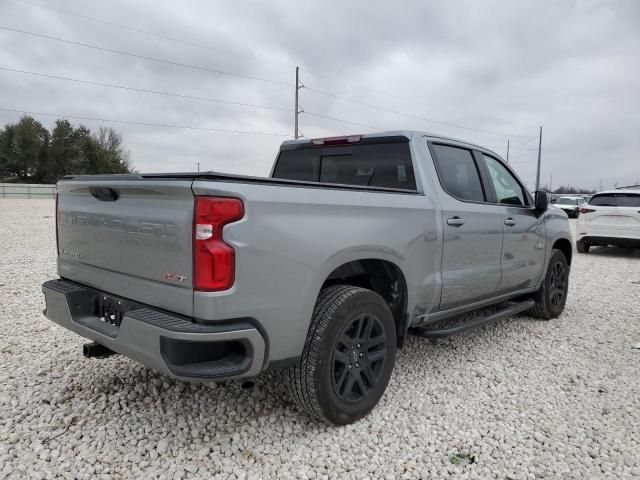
(616, 200)
(386, 165)
(458, 172)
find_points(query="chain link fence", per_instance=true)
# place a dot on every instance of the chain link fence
(27, 190)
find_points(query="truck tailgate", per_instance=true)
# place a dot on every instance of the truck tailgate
(130, 237)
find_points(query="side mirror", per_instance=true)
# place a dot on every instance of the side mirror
(542, 201)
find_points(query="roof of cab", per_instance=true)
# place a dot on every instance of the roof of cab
(409, 134)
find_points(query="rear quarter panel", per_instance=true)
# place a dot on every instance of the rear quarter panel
(292, 238)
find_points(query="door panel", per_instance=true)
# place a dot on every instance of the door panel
(471, 254)
(523, 247)
(472, 229)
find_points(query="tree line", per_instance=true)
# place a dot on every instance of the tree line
(569, 190)
(30, 153)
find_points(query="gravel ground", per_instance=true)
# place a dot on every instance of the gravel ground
(518, 399)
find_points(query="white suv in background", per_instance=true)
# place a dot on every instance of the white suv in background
(612, 217)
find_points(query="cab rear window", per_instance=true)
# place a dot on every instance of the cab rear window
(616, 200)
(377, 165)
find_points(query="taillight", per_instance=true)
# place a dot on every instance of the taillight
(213, 259)
(57, 240)
(587, 210)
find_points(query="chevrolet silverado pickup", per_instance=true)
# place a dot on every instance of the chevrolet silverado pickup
(322, 270)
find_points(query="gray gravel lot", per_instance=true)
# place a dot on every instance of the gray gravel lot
(519, 399)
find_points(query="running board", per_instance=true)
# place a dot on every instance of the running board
(512, 309)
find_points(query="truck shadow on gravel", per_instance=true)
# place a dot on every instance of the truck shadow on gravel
(103, 391)
(122, 385)
(617, 252)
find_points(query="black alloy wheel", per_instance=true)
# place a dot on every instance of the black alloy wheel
(552, 295)
(558, 284)
(348, 355)
(358, 358)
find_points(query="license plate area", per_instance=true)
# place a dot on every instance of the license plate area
(110, 309)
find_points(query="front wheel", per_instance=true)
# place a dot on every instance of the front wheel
(552, 295)
(348, 356)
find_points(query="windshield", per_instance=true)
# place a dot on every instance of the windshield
(567, 201)
(616, 200)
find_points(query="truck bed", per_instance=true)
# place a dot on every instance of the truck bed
(229, 177)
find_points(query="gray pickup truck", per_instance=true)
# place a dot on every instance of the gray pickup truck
(323, 269)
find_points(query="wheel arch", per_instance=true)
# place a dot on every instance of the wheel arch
(381, 275)
(564, 245)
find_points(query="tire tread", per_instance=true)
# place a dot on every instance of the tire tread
(301, 376)
(541, 308)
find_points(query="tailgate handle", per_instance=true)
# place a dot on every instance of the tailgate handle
(104, 194)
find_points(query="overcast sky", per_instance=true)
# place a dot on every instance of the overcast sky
(498, 66)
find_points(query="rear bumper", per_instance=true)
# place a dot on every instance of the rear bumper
(603, 240)
(170, 344)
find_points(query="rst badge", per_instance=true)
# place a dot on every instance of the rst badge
(71, 253)
(174, 277)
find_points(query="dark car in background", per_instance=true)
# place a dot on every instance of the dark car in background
(571, 205)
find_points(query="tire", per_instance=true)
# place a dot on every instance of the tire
(582, 247)
(551, 297)
(322, 383)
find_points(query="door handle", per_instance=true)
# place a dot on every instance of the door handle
(510, 222)
(455, 221)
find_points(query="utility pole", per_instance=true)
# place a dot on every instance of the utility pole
(551, 182)
(296, 108)
(507, 151)
(198, 166)
(539, 159)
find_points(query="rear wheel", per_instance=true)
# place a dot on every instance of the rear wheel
(348, 355)
(582, 247)
(552, 295)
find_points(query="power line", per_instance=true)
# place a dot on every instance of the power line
(514, 147)
(135, 89)
(529, 143)
(333, 77)
(193, 44)
(151, 34)
(341, 120)
(144, 57)
(409, 115)
(525, 149)
(521, 155)
(145, 124)
(222, 72)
